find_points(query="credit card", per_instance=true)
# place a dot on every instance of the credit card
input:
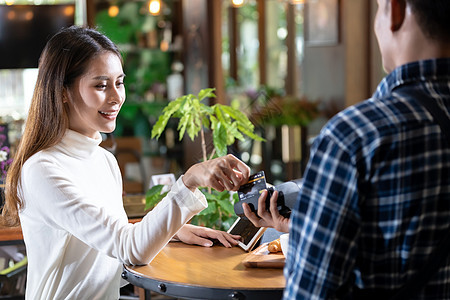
(253, 188)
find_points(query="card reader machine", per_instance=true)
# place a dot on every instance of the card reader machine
(250, 192)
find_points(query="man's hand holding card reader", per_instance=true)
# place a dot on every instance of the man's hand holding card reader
(279, 200)
(249, 193)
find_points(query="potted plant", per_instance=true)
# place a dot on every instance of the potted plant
(287, 110)
(287, 117)
(226, 125)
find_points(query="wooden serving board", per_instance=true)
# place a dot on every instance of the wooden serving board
(262, 258)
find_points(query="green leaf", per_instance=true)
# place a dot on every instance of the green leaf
(182, 124)
(206, 123)
(226, 205)
(193, 127)
(213, 121)
(235, 132)
(184, 102)
(159, 126)
(243, 124)
(220, 212)
(220, 139)
(212, 207)
(226, 122)
(209, 196)
(154, 196)
(220, 195)
(206, 93)
(206, 109)
(174, 106)
(163, 119)
(235, 197)
(238, 116)
(250, 134)
(214, 219)
(224, 118)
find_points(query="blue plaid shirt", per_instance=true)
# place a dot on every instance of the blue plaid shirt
(375, 196)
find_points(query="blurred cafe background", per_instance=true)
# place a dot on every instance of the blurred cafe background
(289, 65)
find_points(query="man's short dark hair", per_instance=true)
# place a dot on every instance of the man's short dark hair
(434, 17)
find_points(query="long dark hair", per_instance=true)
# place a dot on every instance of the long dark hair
(64, 58)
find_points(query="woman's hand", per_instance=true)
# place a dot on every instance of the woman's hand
(222, 173)
(203, 236)
(271, 218)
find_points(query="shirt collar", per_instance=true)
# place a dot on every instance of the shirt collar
(423, 70)
(78, 144)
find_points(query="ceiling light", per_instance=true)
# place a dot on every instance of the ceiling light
(154, 7)
(237, 3)
(113, 11)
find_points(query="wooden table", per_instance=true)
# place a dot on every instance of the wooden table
(10, 236)
(195, 272)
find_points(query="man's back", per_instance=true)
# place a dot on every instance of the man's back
(375, 197)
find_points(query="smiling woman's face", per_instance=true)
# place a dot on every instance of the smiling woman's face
(95, 98)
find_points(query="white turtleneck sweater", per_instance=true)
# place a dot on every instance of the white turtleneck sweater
(74, 225)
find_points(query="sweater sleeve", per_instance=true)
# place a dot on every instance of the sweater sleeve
(51, 194)
(163, 222)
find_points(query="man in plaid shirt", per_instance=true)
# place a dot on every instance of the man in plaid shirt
(375, 199)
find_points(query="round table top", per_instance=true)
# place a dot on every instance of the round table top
(215, 268)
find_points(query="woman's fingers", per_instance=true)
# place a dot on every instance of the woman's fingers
(232, 172)
(207, 234)
(225, 172)
(231, 181)
(242, 171)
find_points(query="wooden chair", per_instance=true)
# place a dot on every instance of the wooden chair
(129, 151)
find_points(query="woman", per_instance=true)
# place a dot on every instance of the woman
(67, 191)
